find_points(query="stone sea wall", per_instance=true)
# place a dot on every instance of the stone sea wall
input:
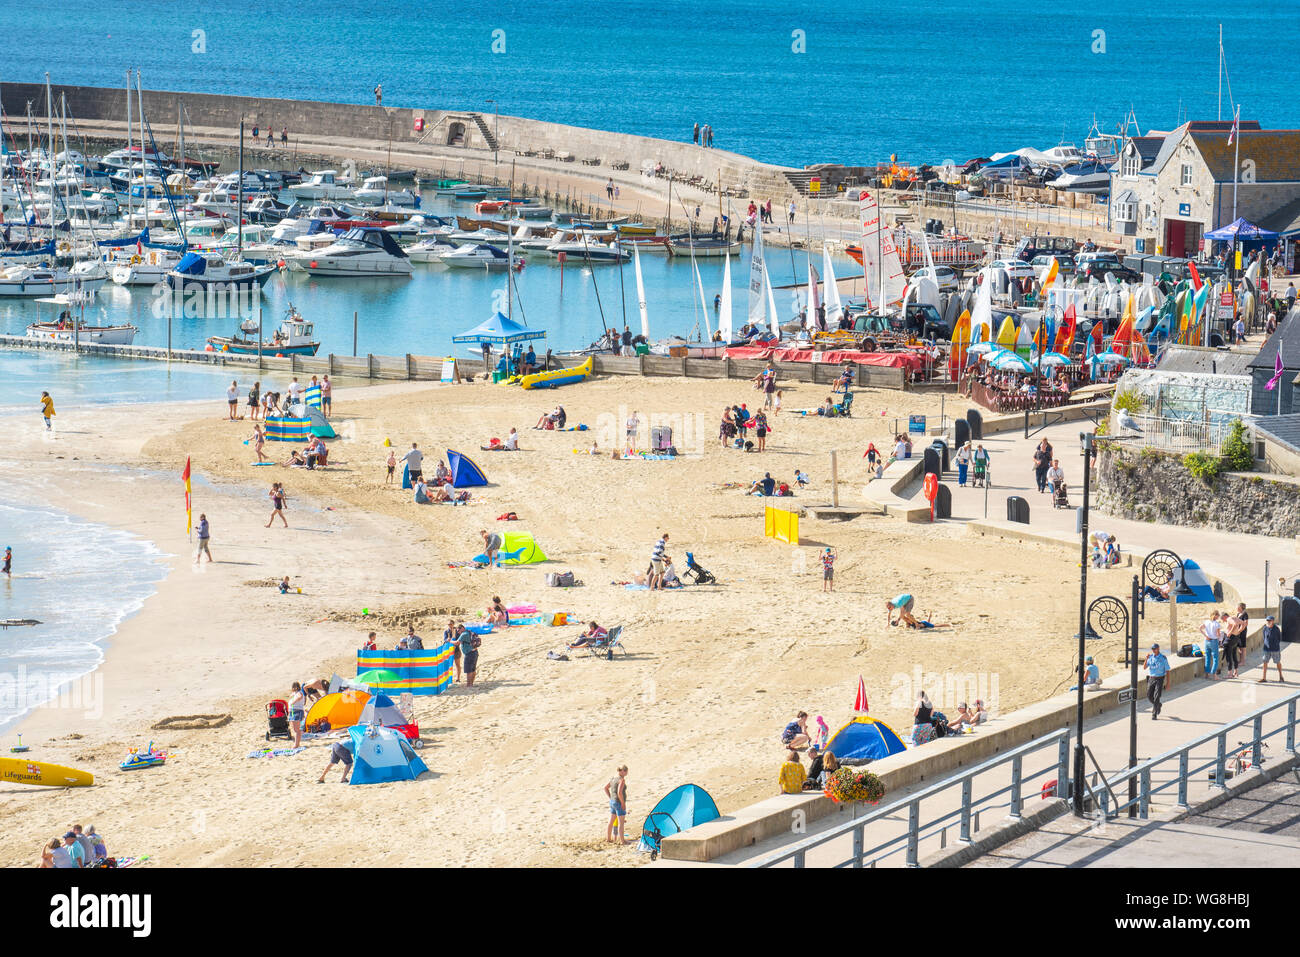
(1149, 486)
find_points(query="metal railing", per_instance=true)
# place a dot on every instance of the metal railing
(1183, 756)
(964, 817)
(1185, 435)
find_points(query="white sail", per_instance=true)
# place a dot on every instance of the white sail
(869, 215)
(774, 321)
(757, 301)
(834, 309)
(981, 315)
(929, 263)
(699, 286)
(810, 320)
(893, 282)
(724, 313)
(640, 293)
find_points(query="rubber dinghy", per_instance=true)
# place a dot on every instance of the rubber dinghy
(545, 380)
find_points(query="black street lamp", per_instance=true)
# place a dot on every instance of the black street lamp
(1086, 438)
(1109, 616)
(1158, 569)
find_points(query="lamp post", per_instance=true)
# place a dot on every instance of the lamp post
(1109, 616)
(1086, 439)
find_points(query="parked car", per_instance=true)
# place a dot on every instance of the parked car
(1016, 268)
(1098, 268)
(921, 319)
(1065, 262)
(945, 277)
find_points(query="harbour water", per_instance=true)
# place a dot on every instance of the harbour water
(926, 79)
(80, 580)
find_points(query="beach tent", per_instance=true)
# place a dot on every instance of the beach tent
(521, 549)
(341, 710)
(381, 710)
(464, 473)
(500, 330)
(287, 428)
(864, 739)
(680, 810)
(382, 754)
(1197, 582)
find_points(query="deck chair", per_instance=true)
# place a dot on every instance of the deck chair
(606, 646)
(845, 408)
(696, 572)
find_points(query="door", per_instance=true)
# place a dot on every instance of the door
(1175, 237)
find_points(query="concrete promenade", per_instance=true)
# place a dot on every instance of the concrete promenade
(1192, 707)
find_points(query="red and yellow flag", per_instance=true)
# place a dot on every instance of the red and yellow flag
(189, 515)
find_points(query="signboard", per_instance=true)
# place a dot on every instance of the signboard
(1200, 244)
(1184, 209)
(1225, 304)
(450, 370)
(916, 423)
(1127, 694)
(814, 186)
(1140, 245)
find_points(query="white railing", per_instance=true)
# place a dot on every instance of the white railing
(1181, 435)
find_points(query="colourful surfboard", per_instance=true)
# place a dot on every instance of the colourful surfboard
(1007, 334)
(960, 343)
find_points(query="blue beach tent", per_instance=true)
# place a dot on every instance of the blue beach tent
(464, 473)
(680, 810)
(382, 754)
(864, 739)
(501, 331)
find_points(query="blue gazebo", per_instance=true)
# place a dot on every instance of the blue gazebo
(1241, 230)
(500, 330)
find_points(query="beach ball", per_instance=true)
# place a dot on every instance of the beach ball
(209, 348)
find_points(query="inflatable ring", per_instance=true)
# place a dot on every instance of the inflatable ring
(135, 260)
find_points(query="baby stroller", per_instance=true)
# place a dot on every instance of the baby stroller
(1060, 495)
(697, 572)
(277, 720)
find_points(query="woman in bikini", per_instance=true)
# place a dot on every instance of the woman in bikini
(278, 498)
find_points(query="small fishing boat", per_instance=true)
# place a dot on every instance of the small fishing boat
(293, 337)
(526, 211)
(465, 195)
(588, 252)
(211, 270)
(703, 246)
(69, 329)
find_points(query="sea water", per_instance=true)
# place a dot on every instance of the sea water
(80, 580)
(789, 83)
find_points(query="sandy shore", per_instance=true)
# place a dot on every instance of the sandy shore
(519, 761)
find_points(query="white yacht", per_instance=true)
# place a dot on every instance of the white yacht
(137, 266)
(33, 281)
(429, 250)
(361, 251)
(67, 328)
(212, 270)
(478, 255)
(375, 191)
(325, 184)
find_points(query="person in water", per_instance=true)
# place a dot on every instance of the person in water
(9, 562)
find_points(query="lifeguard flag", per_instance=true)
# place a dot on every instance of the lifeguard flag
(189, 515)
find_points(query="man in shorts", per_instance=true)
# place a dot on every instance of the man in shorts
(468, 642)
(616, 791)
(204, 536)
(414, 463)
(828, 570)
(340, 753)
(657, 563)
(1272, 636)
(903, 605)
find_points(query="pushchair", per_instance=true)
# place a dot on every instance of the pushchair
(277, 720)
(1060, 495)
(697, 572)
(845, 408)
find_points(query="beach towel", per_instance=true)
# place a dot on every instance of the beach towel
(275, 753)
(633, 587)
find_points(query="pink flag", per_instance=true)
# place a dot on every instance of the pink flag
(860, 706)
(1277, 371)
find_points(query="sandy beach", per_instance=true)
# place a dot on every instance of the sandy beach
(518, 762)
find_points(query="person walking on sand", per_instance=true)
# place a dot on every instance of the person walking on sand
(828, 569)
(259, 442)
(392, 466)
(47, 409)
(414, 463)
(204, 535)
(232, 400)
(609, 188)
(1272, 649)
(469, 648)
(278, 498)
(616, 791)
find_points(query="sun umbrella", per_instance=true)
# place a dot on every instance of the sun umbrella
(1110, 359)
(377, 676)
(981, 347)
(860, 704)
(1010, 362)
(1054, 359)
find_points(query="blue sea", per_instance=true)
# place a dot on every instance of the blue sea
(80, 580)
(927, 80)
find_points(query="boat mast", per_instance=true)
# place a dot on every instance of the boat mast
(239, 215)
(128, 150)
(180, 139)
(49, 125)
(144, 169)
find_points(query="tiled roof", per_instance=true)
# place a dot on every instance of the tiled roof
(1285, 429)
(1213, 361)
(1288, 338)
(1276, 154)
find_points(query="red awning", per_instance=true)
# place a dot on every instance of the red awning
(895, 360)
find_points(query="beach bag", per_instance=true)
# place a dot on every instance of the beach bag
(940, 722)
(672, 450)
(560, 618)
(560, 579)
(475, 643)
(550, 426)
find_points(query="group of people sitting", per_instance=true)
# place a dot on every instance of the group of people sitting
(768, 486)
(553, 420)
(439, 490)
(313, 455)
(929, 723)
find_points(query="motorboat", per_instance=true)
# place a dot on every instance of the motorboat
(476, 255)
(375, 190)
(24, 281)
(141, 266)
(294, 336)
(325, 184)
(266, 209)
(472, 237)
(430, 250)
(69, 329)
(212, 270)
(361, 251)
(703, 246)
(527, 211)
(587, 251)
(1092, 176)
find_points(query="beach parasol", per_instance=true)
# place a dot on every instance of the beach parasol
(377, 676)
(860, 703)
(1054, 359)
(1110, 359)
(981, 347)
(1007, 361)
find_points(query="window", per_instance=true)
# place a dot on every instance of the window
(1126, 212)
(1186, 179)
(1131, 164)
